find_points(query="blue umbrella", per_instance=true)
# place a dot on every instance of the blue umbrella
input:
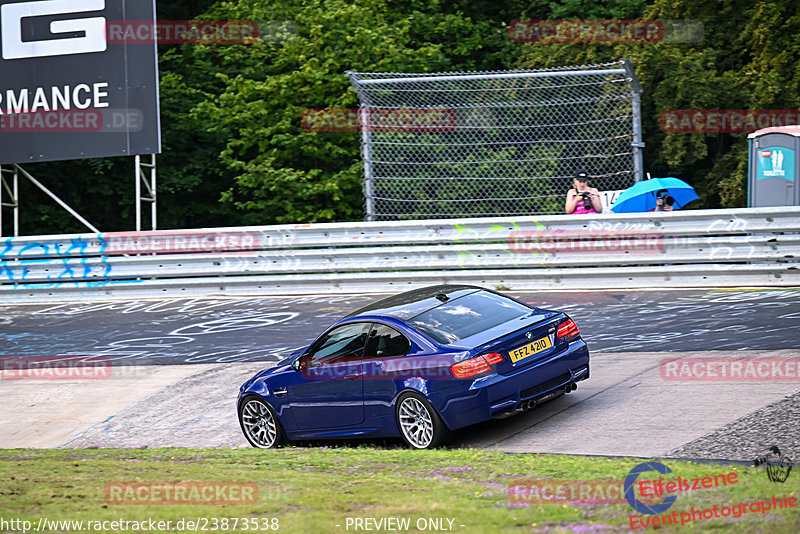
(642, 195)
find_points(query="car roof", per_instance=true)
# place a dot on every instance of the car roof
(406, 305)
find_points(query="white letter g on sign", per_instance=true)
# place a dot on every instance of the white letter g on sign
(94, 40)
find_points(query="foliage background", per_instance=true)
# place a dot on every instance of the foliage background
(235, 153)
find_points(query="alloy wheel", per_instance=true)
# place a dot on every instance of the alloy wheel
(259, 424)
(416, 422)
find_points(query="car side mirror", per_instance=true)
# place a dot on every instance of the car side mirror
(297, 364)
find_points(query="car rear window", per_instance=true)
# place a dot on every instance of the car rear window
(466, 316)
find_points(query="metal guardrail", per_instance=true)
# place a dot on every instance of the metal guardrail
(709, 248)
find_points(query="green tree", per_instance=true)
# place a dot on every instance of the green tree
(748, 59)
(285, 173)
(235, 151)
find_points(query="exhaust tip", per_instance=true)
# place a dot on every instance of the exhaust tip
(574, 386)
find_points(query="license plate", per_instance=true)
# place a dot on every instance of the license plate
(530, 349)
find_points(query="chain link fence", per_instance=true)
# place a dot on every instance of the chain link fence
(495, 143)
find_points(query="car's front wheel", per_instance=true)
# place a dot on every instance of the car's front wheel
(259, 424)
(420, 425)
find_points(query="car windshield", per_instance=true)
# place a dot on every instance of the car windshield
(466, 316)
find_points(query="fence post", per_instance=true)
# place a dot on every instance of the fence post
(366, 154)
(637, 144)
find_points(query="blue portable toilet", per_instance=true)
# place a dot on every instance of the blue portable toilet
(774, 167)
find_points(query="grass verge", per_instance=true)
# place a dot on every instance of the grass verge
(327, 489)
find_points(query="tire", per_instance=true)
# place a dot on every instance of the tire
(259, 424)
(419, 424)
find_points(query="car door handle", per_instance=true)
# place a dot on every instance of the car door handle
(352, 377)
(279, 392)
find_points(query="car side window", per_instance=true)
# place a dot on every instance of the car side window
(342, 344)
(386, 342)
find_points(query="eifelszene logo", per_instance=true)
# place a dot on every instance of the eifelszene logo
(12, 17)
(630, 496)
(661, 486)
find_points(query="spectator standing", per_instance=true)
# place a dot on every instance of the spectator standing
(582, 199)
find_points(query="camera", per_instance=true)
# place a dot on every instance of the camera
(665, 198)
(587, 200)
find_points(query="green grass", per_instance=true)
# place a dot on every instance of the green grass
(313, 490)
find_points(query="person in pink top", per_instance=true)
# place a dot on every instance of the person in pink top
(582, 199)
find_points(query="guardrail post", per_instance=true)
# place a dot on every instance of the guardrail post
(369, 187)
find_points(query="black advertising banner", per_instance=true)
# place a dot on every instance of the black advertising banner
(68, 89)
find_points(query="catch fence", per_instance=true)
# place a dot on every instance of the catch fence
(506, 143)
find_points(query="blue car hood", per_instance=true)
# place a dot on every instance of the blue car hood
(283, 366)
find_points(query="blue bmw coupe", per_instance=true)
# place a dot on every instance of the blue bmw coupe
(417, 365)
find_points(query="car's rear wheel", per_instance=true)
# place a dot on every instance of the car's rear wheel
(259, 424)
(420, 425)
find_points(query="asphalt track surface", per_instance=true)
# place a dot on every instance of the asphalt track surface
(178, 364)
(183, 331)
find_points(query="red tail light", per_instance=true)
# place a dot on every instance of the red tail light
(475, 366)
(493, 358)
(568, 329)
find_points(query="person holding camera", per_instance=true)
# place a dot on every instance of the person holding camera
(664, 201)
(582, 199)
